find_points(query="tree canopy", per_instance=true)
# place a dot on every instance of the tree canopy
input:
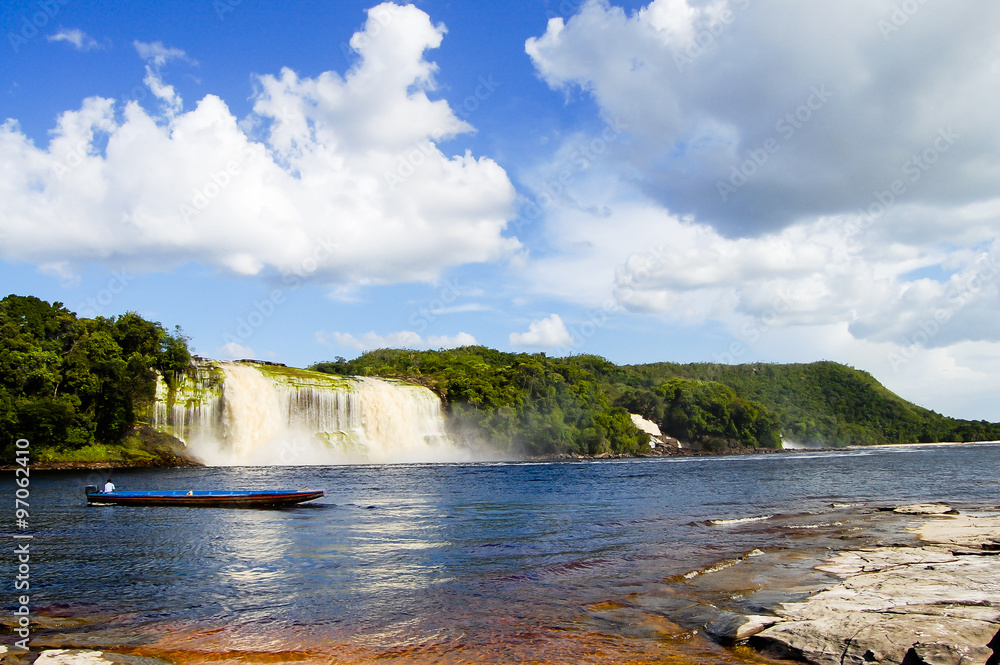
(67, 383)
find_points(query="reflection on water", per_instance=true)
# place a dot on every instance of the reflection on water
(566, 562)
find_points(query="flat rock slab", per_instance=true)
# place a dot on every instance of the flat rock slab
(72, 657)
(898, 604)
(971, 531)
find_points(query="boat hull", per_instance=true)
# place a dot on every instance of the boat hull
(204, 498)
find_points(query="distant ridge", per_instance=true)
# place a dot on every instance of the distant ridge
(829, 403)
(578, 405)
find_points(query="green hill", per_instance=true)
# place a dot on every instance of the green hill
(825, 403)
(539, 405)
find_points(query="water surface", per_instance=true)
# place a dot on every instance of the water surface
(539, 562)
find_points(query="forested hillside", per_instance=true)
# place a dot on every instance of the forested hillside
(75, 387)
(823, 402)
(536, 404)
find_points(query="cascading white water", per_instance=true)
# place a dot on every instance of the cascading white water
(236, 414)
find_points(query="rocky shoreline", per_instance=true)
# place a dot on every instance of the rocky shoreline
(936, 603)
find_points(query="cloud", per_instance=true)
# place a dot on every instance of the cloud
(156, 54)
(543, 333)
(884, 278)
(403, 339)
(311, 185)
(753, 116)
(80, 40)
(453, 342)
(235, 351)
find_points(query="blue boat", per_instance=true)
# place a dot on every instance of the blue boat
(202, 498)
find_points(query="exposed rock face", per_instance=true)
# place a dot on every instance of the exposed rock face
(658, 440)
(938, 604)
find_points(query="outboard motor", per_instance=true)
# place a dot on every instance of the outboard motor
(90, 489)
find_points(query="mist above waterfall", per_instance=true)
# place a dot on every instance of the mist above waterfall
(242, 414)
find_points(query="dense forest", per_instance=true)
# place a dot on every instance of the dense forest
(80, 389)
(536, 404)
(75, 388)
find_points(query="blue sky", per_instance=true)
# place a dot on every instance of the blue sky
(726, 181)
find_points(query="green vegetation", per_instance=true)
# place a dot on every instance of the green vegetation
(517, 403)
(822, 403)
(76, 387)
(539, 405)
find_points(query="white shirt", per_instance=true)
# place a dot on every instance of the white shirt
(109, 486)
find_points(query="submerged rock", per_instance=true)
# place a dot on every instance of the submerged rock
(926, 509)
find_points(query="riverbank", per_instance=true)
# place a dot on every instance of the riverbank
(143, 448)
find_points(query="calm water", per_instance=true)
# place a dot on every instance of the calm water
(504, 562)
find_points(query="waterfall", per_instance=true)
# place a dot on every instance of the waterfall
(237, 413)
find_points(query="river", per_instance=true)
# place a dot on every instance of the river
(501, 562)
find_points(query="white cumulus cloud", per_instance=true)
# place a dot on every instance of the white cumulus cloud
(543, 333)
(337, 178)
(752, 115)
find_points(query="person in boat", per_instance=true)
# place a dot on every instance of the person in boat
(109, 487)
